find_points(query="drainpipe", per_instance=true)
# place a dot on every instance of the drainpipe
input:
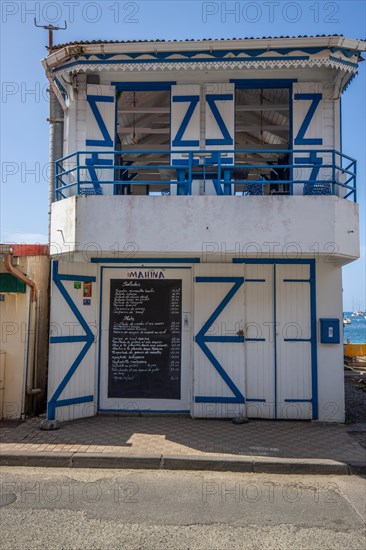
(19, 275)
(56, 121)
(32, 355)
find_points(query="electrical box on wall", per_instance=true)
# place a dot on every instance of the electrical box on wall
(329, 331)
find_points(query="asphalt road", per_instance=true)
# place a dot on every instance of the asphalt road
(135, 509)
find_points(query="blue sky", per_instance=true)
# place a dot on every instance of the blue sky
(24, 103)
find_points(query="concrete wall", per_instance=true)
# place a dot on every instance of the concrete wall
(215, 227)
(330, 356)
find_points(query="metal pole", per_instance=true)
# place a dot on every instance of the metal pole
(56, 121)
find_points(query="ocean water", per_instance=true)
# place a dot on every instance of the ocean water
(356, 331)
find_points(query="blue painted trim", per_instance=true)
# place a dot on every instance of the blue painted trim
(298, 400)
(234, 51)
(264, 84)
(223, 338)
(68, 339)
(201, 338)
(184, 411)
(291, 136)
(275, 336)
(297, 339)
(193, 101)
(343, 61)
(219, 280)
(82, 278)
(184, 184)
(145, 261)
(239, 398)
(93, 161)
(218, 53)
(107, 141)
(100, 333)
(315, 161)
(255, 339)
(142, 267)
(215, 54)
(211, 101)
(75, 401)
(115, 170)
(143, 86)
(296, 280)
(256, 400)
(170, 119)
(88, 338)
(61, 87)
(315, 99)
(255, 280)
(199, 60)
(210, 399)
(314, 351)
(271, 261)
(340, 128)
(184, 162)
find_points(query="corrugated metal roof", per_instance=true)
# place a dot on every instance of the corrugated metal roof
(90, 42)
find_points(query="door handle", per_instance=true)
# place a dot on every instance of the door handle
(240, 332)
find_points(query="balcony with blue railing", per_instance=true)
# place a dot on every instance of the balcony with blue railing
(304, 172)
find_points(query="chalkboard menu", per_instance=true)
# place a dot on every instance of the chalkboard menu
(145, 338)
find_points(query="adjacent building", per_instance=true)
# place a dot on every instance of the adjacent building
(24, 308)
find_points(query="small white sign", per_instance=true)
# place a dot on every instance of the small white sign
(186, 320)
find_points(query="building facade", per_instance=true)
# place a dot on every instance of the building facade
(24, 308)
(201, 213)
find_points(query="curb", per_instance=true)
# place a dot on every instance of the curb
(245, 464)
(357, 468)
(44, 460)
(115, 460)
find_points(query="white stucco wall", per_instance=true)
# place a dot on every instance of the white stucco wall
(330, 356)
(217, 228)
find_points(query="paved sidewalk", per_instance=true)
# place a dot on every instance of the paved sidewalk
(183, 443)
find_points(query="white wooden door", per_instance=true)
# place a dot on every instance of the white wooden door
(294, 343)
(254, 341)
(219, 375)
(72, 350)
(259, 340)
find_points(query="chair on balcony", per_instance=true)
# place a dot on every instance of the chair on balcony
(92, 190)
(246, 189)
(317, 189)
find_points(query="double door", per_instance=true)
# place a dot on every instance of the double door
(255, 341)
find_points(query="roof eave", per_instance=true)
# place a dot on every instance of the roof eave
(60, 56)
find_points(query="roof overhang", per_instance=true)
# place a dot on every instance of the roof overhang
(319, 52)
(64, 54)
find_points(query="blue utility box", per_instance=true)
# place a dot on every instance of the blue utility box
(329, 331)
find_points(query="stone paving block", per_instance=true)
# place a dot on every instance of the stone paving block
(182, 436)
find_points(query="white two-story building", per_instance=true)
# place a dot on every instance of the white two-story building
(202, 210)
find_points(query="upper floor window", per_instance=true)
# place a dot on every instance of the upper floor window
(262, 123)
(143, 125)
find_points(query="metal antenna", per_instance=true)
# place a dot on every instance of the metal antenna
(50, 29)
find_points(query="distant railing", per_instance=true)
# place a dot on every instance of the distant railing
(239, 172)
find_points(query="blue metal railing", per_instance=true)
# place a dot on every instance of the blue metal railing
(301, 171)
